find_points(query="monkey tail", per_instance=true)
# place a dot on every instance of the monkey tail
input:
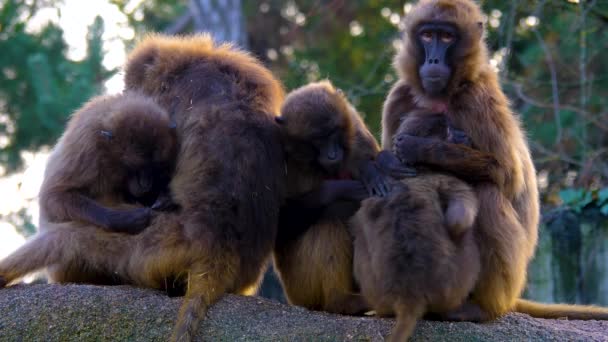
(407, 316)
(191, 313)
(207, 283)
(576, 312)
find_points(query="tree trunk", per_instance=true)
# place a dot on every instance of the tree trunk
(222, 18)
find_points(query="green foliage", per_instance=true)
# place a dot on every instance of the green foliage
(40, 86)
(579, 199)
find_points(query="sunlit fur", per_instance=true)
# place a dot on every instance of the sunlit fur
(507, 225)
(315, 266)
(229, 182)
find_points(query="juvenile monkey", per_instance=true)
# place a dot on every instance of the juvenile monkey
(414, 251)
(228, 181)
(444, 68)
(328, 150)
(117, 150)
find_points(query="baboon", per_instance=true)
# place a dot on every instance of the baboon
(411, 255)
(414, 251)
(229, 182)
(328, 150)
(116, 150)
(444, 68)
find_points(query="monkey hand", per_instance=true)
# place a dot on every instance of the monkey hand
(407, 148)
(456, 136)
(354, 191)
(392, 166)
(131, 221)
(346, 190)
(376, 182)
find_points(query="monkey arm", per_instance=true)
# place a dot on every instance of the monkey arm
(462, 161)
(390, 165)
(398, 102)
(334, 198)
(72, 206)
(331, 191)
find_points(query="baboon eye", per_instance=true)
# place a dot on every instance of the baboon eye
(426, 36)
(447, 37)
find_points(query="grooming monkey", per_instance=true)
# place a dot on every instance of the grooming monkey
(329, 149)
(444, 68)
(228, 181)
(116, 150)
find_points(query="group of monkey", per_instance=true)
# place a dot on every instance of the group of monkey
(201, 170)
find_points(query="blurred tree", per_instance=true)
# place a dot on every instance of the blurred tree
(223, 18)
(40, 86)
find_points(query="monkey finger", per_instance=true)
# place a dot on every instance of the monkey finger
(383, 187)
(403, 171)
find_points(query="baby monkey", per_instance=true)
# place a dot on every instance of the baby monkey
(113, 163)
(415, 251)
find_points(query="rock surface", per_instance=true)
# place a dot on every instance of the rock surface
(86, 313)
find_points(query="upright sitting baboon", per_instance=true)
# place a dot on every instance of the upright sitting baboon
(229, 182)
(444, 68)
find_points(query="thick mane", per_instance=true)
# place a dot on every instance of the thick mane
(163, 56)
(471, 54)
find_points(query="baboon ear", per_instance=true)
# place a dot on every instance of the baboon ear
(107, 134)
(279, 120)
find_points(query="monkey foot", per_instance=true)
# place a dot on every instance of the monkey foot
(2, 282)
(467, 312)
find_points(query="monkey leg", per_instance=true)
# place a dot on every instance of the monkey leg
(317, 270)
(208, 280)
(503, 250)
(66, 243)
(345, 303)
(461, 204)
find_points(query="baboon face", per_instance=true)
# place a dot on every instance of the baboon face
(435, 41)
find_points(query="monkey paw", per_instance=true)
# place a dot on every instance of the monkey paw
(405, 148)
(456, 136)
(392, 166)
(130, 221)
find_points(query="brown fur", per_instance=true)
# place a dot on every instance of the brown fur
(415, 250)
(98, 160)
(229, 181)
(315, 267)
(506, 228)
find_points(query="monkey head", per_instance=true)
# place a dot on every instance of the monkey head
(442, 46)
(316, 126)
(435, 39)
(164, 67)
(139, 136)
